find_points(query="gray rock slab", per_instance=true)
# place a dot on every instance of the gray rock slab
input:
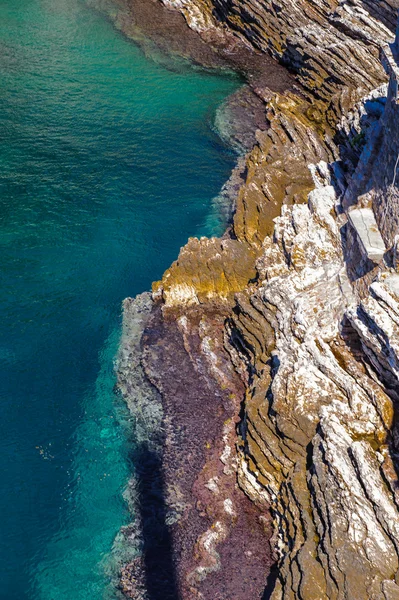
(392, 283)
(365, 225)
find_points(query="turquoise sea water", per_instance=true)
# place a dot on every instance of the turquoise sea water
(108, 163)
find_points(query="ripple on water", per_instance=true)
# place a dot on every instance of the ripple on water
(109, 162)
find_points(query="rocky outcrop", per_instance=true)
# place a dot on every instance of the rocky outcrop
(184, 493)
(275, 348)
(328, 44)
(320, 344)
(319, 337)
(319, 415)
(318, 357)
(276, 174)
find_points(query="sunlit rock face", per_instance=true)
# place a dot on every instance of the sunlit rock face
(317, 349)
(320, 431)
(319, 418)
(319, 336)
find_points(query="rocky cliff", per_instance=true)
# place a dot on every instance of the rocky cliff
(320, 431)
(329, 44)
(275, 348)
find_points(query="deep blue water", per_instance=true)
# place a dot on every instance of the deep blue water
(108, 163)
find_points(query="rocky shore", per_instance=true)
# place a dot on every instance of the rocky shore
(270, 356)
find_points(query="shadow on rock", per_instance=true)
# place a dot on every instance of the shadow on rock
(158, 564)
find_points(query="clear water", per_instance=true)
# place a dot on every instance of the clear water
(108, 163)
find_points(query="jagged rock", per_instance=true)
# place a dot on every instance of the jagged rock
(376, 176)
(320, 368)
(277, 171)
(376, 319)
(207, 270)
(329, 44)
(318, 421)
(321, 372)
(285, 306)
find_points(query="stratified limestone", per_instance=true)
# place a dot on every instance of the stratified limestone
(207, 270)
(318, 415)
(289, 306)
(328, 43)
(219, 540)
(319, 363)
(277, 168)
(320, 337)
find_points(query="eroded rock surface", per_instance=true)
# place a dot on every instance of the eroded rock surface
(319, 415)
(184, 494)
(275, 349)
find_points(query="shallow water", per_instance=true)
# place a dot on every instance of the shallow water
(108, 163)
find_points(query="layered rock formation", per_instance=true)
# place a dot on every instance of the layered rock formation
(327, 43)
(319, 414)
(275, 348)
